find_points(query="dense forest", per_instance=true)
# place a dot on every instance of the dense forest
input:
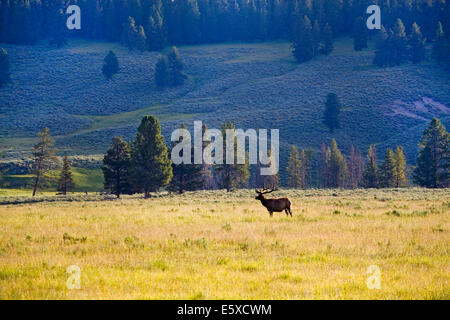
(207, 21)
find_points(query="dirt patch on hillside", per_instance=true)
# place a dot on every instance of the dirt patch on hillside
(423, 109)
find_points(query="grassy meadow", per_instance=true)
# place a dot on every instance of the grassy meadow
(212, 245)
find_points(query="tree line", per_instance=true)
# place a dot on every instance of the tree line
(395, 46)
(311, 26)
(334, 170)
(154, 24)
(144, 166)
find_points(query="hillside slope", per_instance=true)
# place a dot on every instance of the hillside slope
(253, 85)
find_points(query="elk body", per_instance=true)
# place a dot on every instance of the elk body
(274, 205)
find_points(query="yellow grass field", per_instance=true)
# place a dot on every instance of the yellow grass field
(212, 245)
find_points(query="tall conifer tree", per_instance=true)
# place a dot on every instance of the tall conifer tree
(151, 166)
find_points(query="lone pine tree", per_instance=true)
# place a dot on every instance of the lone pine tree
(43, 157)
(110, 65)
(65, 182)
(331, 113)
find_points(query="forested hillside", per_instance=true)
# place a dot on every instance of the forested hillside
(206, 21)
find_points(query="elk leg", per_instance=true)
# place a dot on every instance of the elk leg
(290, 212)
(271, 213)
(287, 212)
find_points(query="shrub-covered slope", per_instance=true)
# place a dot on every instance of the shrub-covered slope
(253, 85)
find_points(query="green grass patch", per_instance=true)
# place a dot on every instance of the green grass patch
(90, 180)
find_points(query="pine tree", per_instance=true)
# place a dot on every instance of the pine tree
(328, 39)
(359, 34)
(382, 50)
(117, 168)
(186, 177)
(60, 30)
(233, 175)
(43, 157)
(303, 43)
(308, 165)
(371, 175)
(441, 48)
(399, 43)
(141, 39)
(336, 167)
(156, 35)
(130, 34)
(65, 182)
(388, 171)
(302, 168)
(176, 75)
(331, 113)
(416, 44)
(293, 169)
(162, 72)
(322, 173)
(432, 162)
(151, 166)
(242, 173)
(317, 37)
(110, 65)
(5, 66)
(209, 182)
(401, 178)
(353, 169)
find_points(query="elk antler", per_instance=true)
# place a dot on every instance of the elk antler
(266, 190)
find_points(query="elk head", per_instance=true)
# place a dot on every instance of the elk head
(262, 192)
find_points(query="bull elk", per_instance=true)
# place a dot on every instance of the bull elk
(274, 205)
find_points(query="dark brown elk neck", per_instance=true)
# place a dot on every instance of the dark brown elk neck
(263, 201)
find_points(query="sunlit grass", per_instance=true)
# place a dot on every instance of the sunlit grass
(84, 180)
(211, 245)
